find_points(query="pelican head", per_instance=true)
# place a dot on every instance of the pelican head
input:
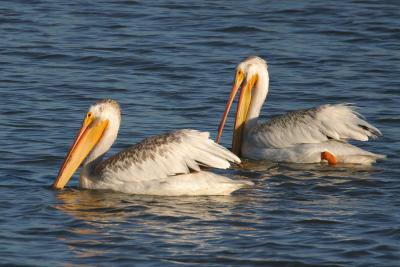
(248, 74)
(98, 132)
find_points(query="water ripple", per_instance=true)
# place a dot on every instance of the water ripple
(171, 65)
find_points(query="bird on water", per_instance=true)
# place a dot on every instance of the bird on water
(304, 136)
(170, 164)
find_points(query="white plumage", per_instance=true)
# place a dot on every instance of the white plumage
(316, 125)
(298, 136)
(169, 164)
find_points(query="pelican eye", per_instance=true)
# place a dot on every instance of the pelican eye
(89, 115)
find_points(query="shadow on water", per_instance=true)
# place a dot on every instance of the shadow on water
(92, 205)
(104, 220)
(265, 169)
(170, 66)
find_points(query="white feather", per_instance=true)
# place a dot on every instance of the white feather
(316, 125)
(164, 165)
(301, 136)
(193, 184)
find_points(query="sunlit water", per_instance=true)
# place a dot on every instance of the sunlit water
(170, 65)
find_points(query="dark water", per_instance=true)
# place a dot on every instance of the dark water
(170, 65)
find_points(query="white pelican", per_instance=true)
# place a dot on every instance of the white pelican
(304, 136)
(168, 164)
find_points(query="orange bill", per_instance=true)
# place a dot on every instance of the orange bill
(241, 110)
(238, 81)
(88, 136)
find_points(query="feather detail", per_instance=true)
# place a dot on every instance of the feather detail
(160, 157)
(340, 122)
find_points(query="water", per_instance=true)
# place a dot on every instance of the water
(170, 65)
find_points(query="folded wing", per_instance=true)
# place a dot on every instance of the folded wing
(340, 122)
(158, 157)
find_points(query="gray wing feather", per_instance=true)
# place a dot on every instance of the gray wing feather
(340, 122)
(166, 155)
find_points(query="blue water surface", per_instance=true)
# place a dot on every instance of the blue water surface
(170, 64)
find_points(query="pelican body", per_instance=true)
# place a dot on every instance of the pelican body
(304, 136)
(168, 164)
